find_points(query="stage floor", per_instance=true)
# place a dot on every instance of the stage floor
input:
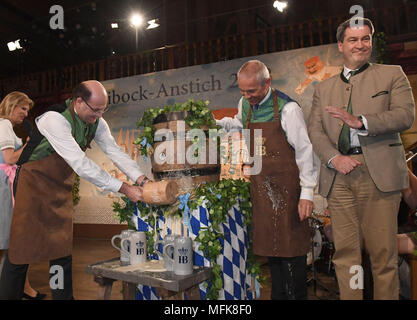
(88, 251)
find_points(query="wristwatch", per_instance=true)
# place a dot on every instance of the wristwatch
(363, 125)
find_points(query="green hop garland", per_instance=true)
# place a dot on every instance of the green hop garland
(219, 197)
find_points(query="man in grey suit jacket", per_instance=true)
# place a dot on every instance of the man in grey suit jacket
(354, 127)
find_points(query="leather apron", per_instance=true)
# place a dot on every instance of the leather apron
(42, 225)
(275, 191)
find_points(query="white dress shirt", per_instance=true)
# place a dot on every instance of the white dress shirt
(54, 127)
(293, 124)
(354, 140)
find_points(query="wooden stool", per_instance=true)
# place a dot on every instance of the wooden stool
(167, 284)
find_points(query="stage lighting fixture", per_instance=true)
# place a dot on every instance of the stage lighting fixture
(280, 5)
(136, 20)
(153, 24)
(14, 45)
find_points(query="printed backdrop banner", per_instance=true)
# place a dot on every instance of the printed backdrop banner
(295, 72)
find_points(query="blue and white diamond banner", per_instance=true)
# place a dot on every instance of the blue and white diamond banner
(238, 283)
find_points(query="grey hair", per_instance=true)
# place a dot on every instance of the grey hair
(256, 68)
(340, 33)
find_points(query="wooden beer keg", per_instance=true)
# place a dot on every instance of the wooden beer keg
(170, 161)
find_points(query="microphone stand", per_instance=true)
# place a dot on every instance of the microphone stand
(314, 278)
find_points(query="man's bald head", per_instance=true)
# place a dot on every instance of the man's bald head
(90, 89)
(254, 81)
(90, 100)
(256, 69)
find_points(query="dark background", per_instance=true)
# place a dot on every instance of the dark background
(88, 35)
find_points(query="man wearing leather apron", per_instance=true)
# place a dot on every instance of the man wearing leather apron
(42, 218)
(282, 193)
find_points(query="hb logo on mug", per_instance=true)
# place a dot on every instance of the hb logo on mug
(137, 253)
(140, 248)
(182, 255)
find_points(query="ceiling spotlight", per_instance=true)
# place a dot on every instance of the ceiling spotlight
(14, 45)
(136, 20)
(153, 24)
(114, 25)
(280, 5)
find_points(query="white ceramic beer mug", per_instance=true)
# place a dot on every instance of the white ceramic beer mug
(168, 239)
(183, 255)
(124, 257)
(138, 252)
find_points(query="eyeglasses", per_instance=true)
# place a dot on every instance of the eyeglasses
(98, 112)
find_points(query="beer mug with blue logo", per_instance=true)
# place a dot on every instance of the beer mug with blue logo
(183, 255)
(168, 239)
(124, 255)
(138, 252)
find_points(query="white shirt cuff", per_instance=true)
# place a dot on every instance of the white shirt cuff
(329, 163)
(307, 193)
(114, 185)
(365, 123)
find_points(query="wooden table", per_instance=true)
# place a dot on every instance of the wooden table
(167, 284)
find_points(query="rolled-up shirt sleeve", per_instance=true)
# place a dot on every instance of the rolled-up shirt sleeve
(106, 142)
(57, 130)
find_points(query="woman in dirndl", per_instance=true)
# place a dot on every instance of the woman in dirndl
(14, 109)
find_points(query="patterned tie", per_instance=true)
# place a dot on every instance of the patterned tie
(344, 138)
